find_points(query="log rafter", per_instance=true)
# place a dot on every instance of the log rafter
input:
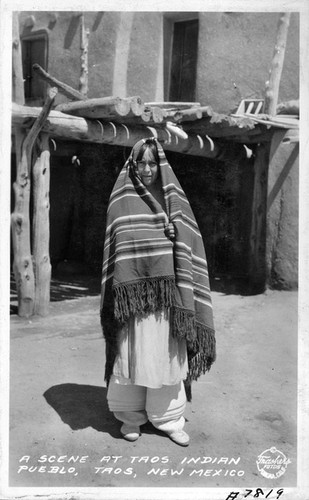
(73, 128)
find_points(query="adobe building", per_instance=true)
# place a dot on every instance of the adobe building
(246, 204)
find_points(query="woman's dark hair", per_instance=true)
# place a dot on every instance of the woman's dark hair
(149, 143)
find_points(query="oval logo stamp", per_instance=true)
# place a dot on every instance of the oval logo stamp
(272, 463)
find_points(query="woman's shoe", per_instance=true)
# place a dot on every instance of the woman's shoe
(130, 432)
(179, 437)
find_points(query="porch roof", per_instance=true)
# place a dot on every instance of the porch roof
(182, 119)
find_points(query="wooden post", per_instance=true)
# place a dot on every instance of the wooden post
(22, 264)
(84, 41)
(20, 222)
(40, 222)
(272, 85)
(257, 266)
(40, 226)
(17, 69)
(259, 205)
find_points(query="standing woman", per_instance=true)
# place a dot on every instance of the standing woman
(156, 309)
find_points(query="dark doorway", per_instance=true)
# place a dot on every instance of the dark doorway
(184, 59)
(34, 50)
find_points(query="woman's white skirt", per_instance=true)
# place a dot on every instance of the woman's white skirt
(148, 355)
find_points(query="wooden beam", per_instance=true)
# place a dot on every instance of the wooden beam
(185, 115)
(273, 84)
(289, 107)
(137, 106)
(102, 107)
(173, 105)
(65, 89)
(73, 128)
(66, 127)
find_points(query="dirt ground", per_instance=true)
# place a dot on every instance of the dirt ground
(62, 434)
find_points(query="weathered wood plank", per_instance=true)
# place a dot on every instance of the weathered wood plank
(257, 264)
(40, 226)
(223, 130)
(289, 107)
(17, 70)
(157, 114)
(20, 223)
(62, 87)
(173, 105)
(97, 108)
(84, 42)
(185, 115)
(272, 85)
(137, 106)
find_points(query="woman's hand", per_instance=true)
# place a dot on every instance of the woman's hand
(170, 231)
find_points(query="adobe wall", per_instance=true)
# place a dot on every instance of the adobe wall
(235, 54)
(125, 54)
(282, 212)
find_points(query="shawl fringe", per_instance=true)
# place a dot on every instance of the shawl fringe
(202, 354)
(183, 324)
(143, 296)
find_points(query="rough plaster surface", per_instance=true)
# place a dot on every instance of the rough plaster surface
(282, 216)
(234, 54)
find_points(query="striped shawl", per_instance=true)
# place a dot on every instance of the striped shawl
(144, 271)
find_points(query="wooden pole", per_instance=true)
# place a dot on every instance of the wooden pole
(103, 107)
(18, 94)
(259, 205)
(257, 266)
(272, 85)
(40, 225)
(65, 89)
(20, 222)
(22, 265)
(84, 42)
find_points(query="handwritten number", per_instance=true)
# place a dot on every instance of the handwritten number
(259, 492)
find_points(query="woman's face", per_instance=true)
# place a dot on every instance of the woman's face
(147, 168)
